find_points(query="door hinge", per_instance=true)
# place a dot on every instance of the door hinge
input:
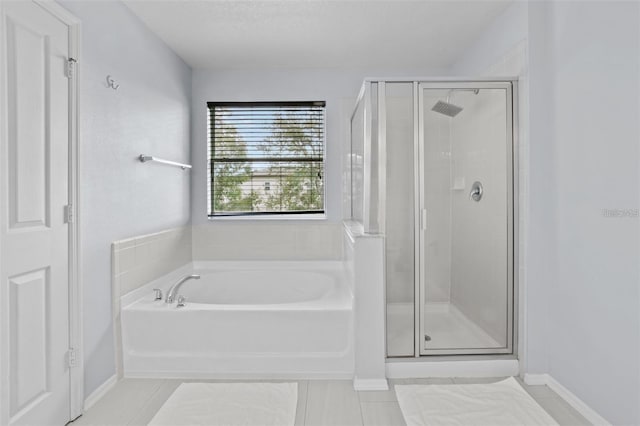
(68, 213)
(71, 358)
(71, 68)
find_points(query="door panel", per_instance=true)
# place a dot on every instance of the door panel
(28, 375)
(35, 182)
(27, 89)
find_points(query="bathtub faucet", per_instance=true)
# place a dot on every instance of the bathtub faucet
(174, 288)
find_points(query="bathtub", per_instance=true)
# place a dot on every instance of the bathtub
(242, 319)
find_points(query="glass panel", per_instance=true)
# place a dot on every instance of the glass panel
(465, 244)
(357, 162)
(371, 173)
(399, 224)
(364, 161)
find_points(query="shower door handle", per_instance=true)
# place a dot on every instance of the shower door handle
(423, 219)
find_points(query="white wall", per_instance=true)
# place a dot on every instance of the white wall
(490, 47)
(581, 268)
(121, 197)
(274, 240)
(594, 306)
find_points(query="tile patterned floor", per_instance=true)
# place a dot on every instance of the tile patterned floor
(320, 403)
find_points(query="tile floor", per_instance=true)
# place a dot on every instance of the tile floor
(320, 403)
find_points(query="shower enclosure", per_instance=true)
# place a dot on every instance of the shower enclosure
(432, 169)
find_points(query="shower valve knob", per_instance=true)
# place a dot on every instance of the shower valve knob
(476, 191)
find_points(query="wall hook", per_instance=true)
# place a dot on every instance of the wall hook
(111, 83)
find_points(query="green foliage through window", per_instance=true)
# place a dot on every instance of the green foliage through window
(266, 158)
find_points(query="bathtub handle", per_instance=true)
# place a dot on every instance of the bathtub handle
(181, 300)
(158, 294)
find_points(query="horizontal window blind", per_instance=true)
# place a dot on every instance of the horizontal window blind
(266, 158)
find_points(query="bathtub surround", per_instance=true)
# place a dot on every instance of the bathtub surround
(119, 196)
(240, 240)
(157, 260)
(139, 260)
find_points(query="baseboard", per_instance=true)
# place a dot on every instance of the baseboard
(470, 368)
(536, 379)
(100, 392)
(196, 375)
(370, 384)
(580, 406)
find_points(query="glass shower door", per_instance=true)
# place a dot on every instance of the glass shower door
(465, 234)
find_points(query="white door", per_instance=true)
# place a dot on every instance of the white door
(34, 268)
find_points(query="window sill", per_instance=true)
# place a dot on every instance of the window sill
(275, 217)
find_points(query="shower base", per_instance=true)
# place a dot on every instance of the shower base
(446, 326)
(449, 328)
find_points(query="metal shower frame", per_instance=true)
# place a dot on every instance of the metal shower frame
(510, 84)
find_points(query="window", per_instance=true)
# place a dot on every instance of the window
(266, 158)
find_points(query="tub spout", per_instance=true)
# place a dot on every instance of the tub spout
(171, 295)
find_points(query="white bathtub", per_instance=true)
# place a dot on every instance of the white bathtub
(243, 319)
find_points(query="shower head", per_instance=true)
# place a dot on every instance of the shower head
(446, 108)
(449, 109)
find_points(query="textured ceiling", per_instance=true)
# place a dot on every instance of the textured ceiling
(317, 34)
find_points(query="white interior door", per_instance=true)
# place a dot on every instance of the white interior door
(34, 268)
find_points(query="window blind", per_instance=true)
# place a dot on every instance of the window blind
(266, 158)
